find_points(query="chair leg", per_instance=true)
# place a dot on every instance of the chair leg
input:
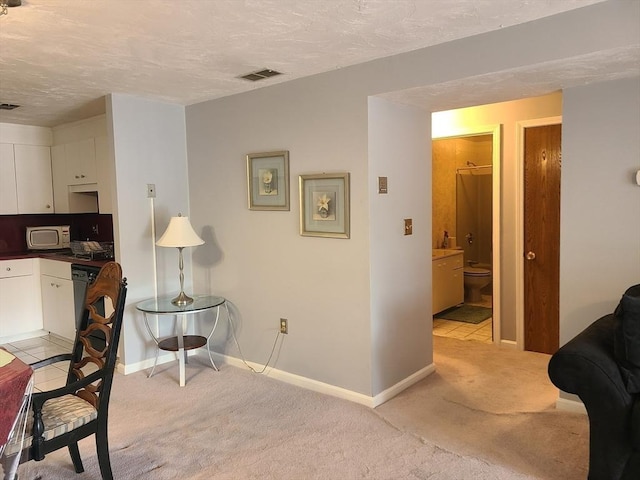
(75, 457)
(102, 447)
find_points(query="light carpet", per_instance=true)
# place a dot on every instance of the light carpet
(234, 424)
(498, 404)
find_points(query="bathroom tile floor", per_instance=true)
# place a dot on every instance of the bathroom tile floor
(481, 332)
(39, 348)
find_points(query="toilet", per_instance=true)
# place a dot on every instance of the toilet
(475, 279)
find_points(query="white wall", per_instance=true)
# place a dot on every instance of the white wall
(148, 146)
(25, 134)
(600, 212)
(71, 132)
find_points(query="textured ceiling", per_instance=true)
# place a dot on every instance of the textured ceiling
(58, 58)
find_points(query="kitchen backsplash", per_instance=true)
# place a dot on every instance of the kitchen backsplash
(84, 226)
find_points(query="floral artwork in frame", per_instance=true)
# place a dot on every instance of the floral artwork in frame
(324, 205)
(268, 180)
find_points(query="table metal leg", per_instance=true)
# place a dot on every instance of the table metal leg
(215, 324)
(182, 355)
(155, 362)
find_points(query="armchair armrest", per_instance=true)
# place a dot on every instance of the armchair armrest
(586, 366)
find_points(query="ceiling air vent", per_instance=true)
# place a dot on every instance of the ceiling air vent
(260, 75)
(8, 106)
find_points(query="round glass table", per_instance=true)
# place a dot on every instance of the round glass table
(181, 343)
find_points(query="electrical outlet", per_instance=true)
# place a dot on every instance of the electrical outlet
(284, 326)
(151, 190)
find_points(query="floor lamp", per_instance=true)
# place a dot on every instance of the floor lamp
(180, 234)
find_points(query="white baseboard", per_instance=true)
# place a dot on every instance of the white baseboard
(567, 405)
(394, 390)
(298, 380)
(23, 336)
(509, 344)
(148, 363)
(332, 390)
(294, 379)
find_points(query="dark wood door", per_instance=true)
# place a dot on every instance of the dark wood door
(542, 162)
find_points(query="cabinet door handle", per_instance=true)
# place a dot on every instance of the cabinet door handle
(8, 269)
(53, 284)
(530, 256)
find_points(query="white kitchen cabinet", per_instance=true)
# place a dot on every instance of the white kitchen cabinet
(20, 305)
(81, 162)
(58, 310)
(8, 193)
(448, 281)
(59, 176)
(105, 174)
(82, 175)
(33, 178)
(26, 179)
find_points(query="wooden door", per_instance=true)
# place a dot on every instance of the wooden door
(542, 162)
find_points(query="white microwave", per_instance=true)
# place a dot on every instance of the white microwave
(48, 237)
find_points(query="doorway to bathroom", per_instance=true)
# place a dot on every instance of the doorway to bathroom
(465, 218)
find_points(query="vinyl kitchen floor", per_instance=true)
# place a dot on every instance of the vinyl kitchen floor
(482, 332)
(39, 348)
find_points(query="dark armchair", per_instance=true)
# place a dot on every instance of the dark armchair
(62, 417)
(602, 366)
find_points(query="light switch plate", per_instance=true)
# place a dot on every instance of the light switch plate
(408, 226)
(382, 184)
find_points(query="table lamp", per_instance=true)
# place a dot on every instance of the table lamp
(180, 234)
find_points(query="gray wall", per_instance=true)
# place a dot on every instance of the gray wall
(326, 287)
(600, 202)
(400, 265)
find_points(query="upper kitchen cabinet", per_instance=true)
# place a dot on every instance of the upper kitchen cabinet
(81, 167)
(25, 179)
(8, 190)
(80, 160)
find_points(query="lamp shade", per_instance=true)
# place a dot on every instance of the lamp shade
(179, 233)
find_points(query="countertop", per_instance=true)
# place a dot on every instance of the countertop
(438, 253)
(60, 256)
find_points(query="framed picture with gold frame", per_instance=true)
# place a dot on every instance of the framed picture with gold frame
(268, 180)
(324, 205)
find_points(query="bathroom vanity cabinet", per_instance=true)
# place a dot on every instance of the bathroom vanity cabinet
(448, 279)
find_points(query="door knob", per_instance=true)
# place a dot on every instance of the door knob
(531, 256)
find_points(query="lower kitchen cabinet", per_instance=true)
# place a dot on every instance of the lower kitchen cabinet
(19, 312)
(58, 312)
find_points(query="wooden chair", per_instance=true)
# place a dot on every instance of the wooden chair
(63, 416)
